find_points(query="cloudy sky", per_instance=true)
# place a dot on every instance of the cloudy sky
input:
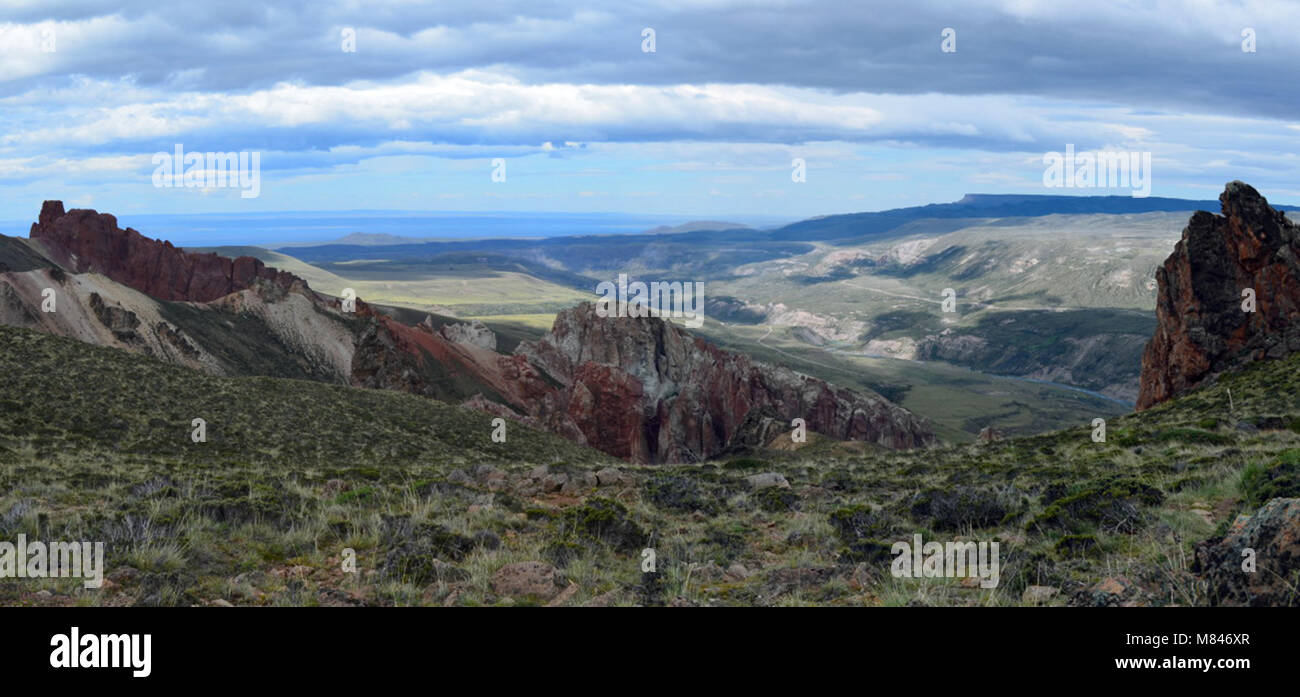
(587, 120)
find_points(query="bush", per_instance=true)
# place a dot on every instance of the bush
(1113, 503)
(965, 507)
(600, 520)
(678, 493)
(1192, 435)
(866, 533)
(728, 539)
(1280, 478)
(1077, 546)
(775, 499)
(430, 538)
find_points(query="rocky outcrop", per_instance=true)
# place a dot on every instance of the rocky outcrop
(640, 389)
(1258, 562)
(83, 240)
(473, 332)
(1203, 326)
(647, 391)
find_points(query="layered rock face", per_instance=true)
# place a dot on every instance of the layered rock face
(640, 389)
(1202, 328)
(647, 391)
(84, 240)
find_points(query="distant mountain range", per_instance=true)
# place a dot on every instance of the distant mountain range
(986, 206)
(847, 226)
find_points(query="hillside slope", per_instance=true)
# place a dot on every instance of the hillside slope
(296, 476)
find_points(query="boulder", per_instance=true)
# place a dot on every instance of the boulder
(526, 579)
(1271, 540)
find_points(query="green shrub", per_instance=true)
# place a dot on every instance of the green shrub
(866, 533)
(1113, 503)
(600, 520)
(959, 508)
(678, 493)
(1077, 546)
(1280, 478)
(1192, 435)
(776, 499)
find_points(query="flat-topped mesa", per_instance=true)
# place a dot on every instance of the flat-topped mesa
(87, 241)
(1223, 263)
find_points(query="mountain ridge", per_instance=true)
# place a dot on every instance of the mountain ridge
(313, 336)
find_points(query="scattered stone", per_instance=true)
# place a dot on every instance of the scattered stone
(766, 480)
(709, 572)
(336, 486)
(526, 578)
(124, 574)
(579, 483)
(782, 581)
(1039, 595)
(554, 482)
(737, 572)
(605, 599)
(1113, 591)
(861, 577)
(564, 596)
(610, 476)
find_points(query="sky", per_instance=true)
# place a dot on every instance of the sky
(495, 105)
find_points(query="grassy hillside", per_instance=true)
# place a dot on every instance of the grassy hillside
(94, 445)
(60, 397)
(463, 284)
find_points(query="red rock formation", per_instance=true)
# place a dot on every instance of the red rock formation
(639, 389)
(84, 240)
(648, 391)
(1202, 328)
